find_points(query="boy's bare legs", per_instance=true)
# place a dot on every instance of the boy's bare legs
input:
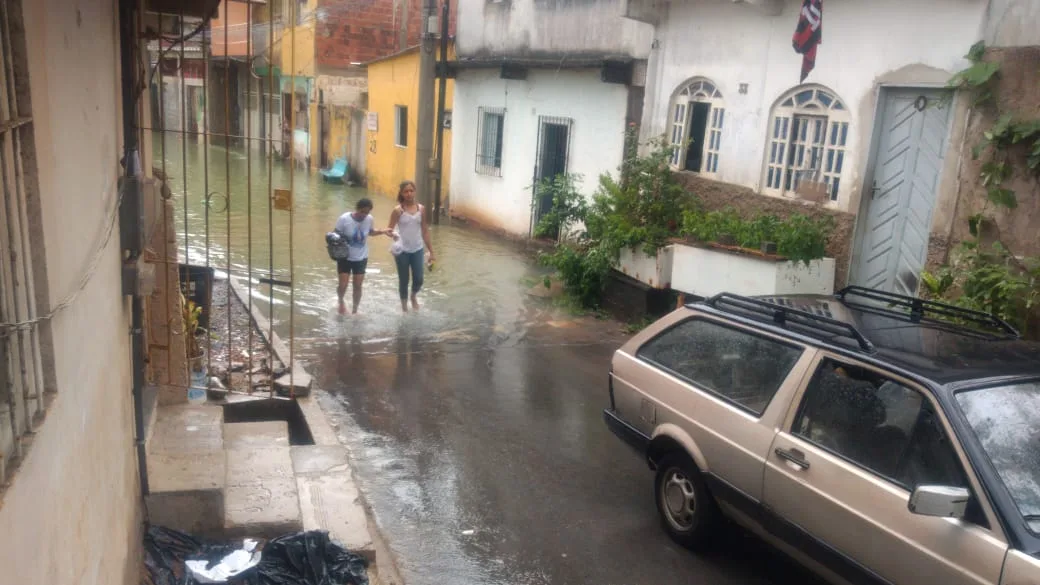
(341, 289)
(359, 279)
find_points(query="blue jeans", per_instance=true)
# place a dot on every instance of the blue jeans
(412, 261)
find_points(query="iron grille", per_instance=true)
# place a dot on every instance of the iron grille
(554, 139)
(491, 123)
(24, 338)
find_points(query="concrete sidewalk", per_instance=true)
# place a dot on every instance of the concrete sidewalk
(248, 467)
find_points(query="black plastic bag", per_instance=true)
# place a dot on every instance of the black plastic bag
(304, 558)
(310, 558)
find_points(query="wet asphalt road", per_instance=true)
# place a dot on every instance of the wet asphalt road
(475, 426)
(477, 434)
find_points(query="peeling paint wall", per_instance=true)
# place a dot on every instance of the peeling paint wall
(72, 513)
(863, 47)
(1016, 92)
(549, 27)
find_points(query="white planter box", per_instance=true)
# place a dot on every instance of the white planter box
(706, 272)
(655, 271)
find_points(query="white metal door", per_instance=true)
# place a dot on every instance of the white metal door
(894, 241)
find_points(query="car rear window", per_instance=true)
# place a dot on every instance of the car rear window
(738, 366)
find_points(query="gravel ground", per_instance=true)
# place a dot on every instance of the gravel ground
(230, 350)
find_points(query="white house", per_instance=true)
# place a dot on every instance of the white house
(867, 128)
(541, 88)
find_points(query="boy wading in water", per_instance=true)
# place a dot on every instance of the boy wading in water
(414, 231)
(355, 226)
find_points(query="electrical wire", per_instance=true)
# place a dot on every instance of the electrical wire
(6, 329)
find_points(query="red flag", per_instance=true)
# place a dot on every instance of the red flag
(809, 34)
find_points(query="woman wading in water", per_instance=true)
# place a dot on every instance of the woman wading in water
(414, 232)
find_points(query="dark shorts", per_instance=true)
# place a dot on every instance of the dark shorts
(351, 266)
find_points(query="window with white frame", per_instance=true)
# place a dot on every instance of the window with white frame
(401, 125)
(491, 124)
(808, 134)
(695, 129)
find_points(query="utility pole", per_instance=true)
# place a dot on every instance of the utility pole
(425, 119)
(442, 87)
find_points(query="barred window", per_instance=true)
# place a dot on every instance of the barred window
(24, 338)
(491, 123)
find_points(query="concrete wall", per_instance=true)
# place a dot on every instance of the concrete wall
(391, 82)
(72, 512)
(864, 46)
(549, 27)
(1012, 23)
(596, 143)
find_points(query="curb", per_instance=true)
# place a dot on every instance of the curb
(323, 433)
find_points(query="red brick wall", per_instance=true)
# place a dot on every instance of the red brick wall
(356, 31)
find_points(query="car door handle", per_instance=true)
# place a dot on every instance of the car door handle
(794, 456)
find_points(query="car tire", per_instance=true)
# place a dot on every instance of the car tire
(687, 510)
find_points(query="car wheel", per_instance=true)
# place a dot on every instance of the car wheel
(688, 512)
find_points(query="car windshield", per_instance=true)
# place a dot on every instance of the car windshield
(1006, 420)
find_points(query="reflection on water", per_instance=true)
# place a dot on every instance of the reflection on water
(475, 289)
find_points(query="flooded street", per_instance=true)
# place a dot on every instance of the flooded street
(475, 425)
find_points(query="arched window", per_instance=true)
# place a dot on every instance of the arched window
(696, 126)
(808, 133)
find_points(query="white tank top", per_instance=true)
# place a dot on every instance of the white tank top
(409, 227)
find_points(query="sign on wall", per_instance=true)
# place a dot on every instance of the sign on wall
(373, 121)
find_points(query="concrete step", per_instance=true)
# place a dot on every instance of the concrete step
(261, 498)
(329, 498)
(186, 469)
(273, 433)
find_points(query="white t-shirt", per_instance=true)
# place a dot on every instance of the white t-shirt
(356, 233)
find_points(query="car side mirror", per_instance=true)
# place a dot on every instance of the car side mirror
(939, 500)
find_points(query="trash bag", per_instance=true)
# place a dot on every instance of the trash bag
(310, 558)
(304, 558)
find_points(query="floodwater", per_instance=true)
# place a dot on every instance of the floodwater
(475, 426)
(472, 267)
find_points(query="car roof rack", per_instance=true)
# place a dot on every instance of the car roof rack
(921, 310)
(786, 316)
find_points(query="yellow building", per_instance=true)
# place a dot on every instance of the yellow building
(393, 106)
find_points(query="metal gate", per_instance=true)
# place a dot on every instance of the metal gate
(214, 218)
(554, 135)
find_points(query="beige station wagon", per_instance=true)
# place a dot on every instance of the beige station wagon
(875, 438)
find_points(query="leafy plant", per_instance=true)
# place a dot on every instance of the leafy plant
(798, 238)
(641, 208)
(993, 281)
(191, 314)
(978, 75)
(569, 206)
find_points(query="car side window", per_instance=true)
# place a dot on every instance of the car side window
(741, 367)
(878, 424)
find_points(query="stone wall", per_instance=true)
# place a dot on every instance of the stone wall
(1015, 93)
(715, 195)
